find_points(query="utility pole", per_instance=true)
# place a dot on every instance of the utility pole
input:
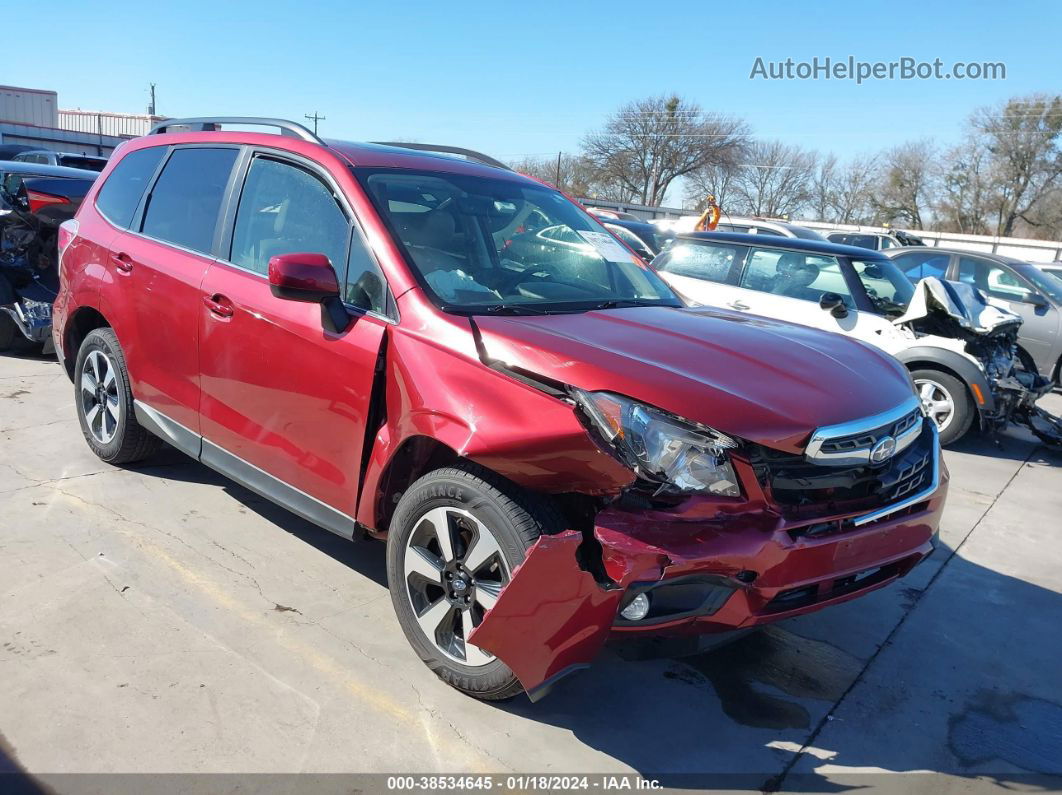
(151, 107)
(315, 118)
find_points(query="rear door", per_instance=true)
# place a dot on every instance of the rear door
(704, 271)
(159, 266)
(284, 401)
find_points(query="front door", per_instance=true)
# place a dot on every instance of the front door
(285, 401)
(1039, 329)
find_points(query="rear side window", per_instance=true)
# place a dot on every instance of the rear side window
(183, 206)
(121, 193)
(712, 262)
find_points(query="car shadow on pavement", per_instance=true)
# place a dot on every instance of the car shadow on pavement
(366, 558)
(949, 684)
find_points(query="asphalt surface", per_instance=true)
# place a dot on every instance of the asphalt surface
(162, 619)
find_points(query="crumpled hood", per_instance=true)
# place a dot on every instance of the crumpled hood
(763, 380)
(962, 302)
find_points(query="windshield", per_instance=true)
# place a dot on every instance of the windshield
(887, 288)
(1048, 285)
(493, 245)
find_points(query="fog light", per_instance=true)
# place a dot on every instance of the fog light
(637, 609)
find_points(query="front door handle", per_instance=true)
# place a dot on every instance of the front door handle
(218, 305)
(122, 262)
(739, 305)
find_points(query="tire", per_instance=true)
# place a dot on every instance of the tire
(8, 331)
(111, 431)
(937, 388)
(472, 501)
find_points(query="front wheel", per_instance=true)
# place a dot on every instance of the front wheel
(455, 540)
(947, 401)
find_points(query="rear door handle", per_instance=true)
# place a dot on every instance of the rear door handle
(739, 305)
(122, 262)
(218, 305)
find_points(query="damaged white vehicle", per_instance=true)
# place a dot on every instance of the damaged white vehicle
(961, 351)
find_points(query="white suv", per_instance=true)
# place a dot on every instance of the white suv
(955, 357)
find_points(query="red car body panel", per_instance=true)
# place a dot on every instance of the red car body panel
(545, 639)
(752, 377)
(261, 400)
(211, 348)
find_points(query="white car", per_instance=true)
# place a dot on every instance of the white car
(959, 349)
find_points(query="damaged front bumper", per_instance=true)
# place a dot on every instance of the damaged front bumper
(701, 576)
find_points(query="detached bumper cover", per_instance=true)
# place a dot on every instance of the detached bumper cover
(553, 617)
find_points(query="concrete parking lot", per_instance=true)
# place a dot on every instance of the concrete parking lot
(161, 619)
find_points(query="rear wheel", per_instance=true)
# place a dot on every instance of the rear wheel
(947, 401)
(455, 539)
(104, 402)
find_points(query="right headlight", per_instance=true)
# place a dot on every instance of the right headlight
(680, 456)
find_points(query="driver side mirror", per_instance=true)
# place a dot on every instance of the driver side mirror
(834, 304)
(309, 278)
(1036, 300)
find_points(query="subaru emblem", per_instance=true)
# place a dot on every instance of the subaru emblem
(883, 450)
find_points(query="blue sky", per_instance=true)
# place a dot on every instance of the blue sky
(515, 78)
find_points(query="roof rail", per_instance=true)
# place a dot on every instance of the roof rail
(471, 154)
(212, 123)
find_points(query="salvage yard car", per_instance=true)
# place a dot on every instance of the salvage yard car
(1011, 283)
(962, 353)
(555, 448)
(34, 201)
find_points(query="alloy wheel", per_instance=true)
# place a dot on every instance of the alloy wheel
(937, 401)
(454, 570)
(99, 396)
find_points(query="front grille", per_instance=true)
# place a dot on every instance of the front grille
(866, 440)
(802, 489)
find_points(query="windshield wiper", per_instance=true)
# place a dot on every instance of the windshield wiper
(623, 303)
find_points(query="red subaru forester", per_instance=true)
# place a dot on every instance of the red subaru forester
(438, 351)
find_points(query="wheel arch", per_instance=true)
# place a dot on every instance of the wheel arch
(953, 364)
(81, 322)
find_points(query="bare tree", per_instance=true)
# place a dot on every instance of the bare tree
(823, 188)
(648, 144)
(716, 179)
(775, 180)
(905, 184)
(965, 189)
(573, 174)
(1024, 138)
(853, 192)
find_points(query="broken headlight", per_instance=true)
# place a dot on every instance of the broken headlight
(677, 455)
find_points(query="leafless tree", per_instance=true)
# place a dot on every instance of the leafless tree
(648, 144)
(965, 189)
(573, 174)
(853, 192)
(905, 184)
(716, 180)
(1024, 139)
(775, 180)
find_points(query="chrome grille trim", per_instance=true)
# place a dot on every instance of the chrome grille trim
(929, 491)
(850, 443)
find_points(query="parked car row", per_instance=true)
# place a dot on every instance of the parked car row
(963, 354)
(437, 351)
